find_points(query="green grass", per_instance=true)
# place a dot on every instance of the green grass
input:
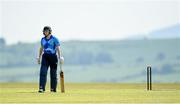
(90, 93)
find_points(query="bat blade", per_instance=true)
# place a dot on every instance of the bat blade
(62, 81)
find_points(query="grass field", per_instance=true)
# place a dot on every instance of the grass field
(90, 93)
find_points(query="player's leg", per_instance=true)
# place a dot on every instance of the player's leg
(53, 73)
(43, 74)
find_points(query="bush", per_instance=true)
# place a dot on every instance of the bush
(103, 57)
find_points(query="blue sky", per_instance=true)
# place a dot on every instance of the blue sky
(85, 19)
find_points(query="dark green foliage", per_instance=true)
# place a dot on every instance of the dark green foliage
(94, 52)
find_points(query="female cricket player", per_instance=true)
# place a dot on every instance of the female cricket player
(48, 58)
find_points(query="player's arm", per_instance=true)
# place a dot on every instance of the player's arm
(60, 57)
(40, 54)
(59, 51)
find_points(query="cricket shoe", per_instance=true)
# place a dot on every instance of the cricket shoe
(53, 90)
(41, 91)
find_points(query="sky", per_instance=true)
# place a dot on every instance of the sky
(23, 20)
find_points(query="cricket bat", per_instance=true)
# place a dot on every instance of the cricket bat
(62, 79)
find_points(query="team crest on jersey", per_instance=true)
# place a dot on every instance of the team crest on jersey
(51, 42)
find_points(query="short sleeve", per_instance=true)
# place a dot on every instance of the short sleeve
(56, 41)
(41, 41)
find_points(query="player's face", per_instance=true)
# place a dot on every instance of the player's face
(46, 33)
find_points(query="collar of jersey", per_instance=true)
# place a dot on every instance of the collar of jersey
(49, 38)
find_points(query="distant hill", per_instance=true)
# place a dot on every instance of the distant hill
(98, 61)
(163, 33)
(168, 32)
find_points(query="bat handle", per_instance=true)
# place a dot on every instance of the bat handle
(61, 74)
(60, 67)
